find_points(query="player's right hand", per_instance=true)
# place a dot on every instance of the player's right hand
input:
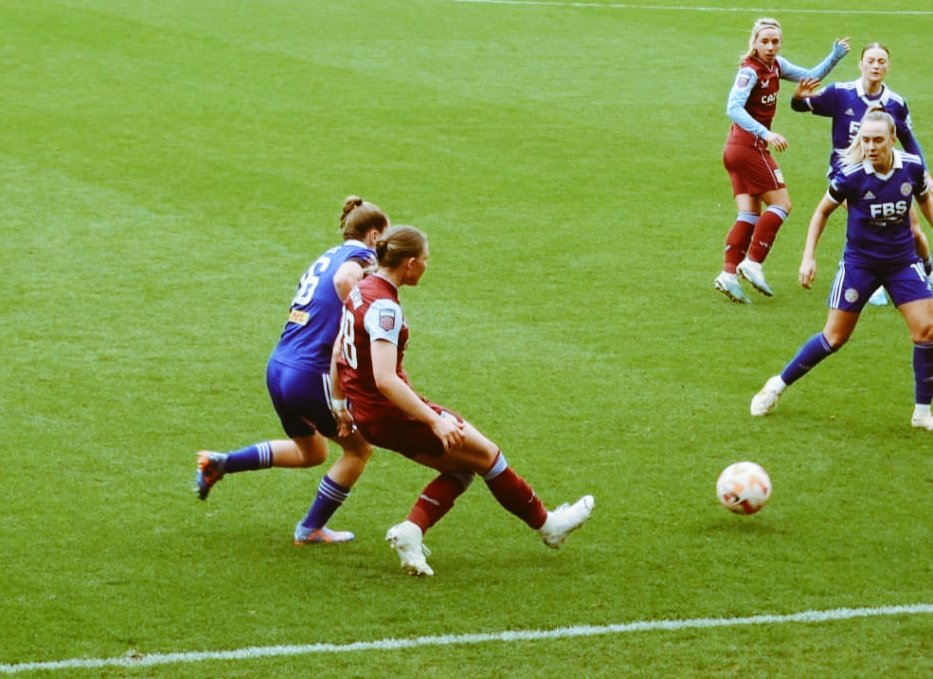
(344, 421)
(449, 430)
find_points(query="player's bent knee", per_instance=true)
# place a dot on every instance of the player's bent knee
(313, 460)
(836, 340)
(922, 334)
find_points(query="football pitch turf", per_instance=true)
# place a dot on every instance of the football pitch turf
(169, 169)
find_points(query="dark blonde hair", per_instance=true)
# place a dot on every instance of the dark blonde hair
(760, 25)
(358, 217)
(398, 244)
(874, 45)
(855, 154)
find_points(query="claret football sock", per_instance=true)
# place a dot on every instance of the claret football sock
(437, 499)
(737, 240)
(766, 231)
(514, 493)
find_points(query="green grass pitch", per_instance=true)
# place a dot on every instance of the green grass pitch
(170, 168)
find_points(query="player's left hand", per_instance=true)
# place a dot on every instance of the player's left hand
(844, 43)
(806, 87)
(807, 272)
(777, 141)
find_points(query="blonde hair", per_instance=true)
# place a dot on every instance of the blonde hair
(398, 244)
(855, 154)
(760, 25)
(359, 216)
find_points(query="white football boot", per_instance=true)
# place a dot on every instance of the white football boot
(562, 521)
(922, 421)
(405, 539)
(765, 400)
(752, 272)
(728, 284)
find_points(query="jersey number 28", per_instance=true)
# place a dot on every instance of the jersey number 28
(349, 348)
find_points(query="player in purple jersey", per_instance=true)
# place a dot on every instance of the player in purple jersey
(878, 183)
(755, 176)
(846, 104)
(298, 379)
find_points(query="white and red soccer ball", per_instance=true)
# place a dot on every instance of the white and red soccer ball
(743, 487)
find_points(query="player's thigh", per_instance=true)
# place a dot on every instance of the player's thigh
(748, 203)
(476, 454)
(752, 170)
(779, 197)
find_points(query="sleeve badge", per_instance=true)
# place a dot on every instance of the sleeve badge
(387, 319)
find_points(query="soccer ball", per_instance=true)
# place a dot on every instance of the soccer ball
(743, 487)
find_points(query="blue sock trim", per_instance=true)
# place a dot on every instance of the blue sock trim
(499, 466)
(748, 217)
(333, 490)
(258, 456)
(264, 450)
(778, 210)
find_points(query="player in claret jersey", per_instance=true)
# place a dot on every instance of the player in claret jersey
(878, 183)
(755, 176)
(368, 371)
(298, 378)
(846, 103)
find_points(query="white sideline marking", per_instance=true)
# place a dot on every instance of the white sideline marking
(254, 652)
(686, 8)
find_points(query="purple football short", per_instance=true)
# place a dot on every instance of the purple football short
(301, 399)
(854, 284)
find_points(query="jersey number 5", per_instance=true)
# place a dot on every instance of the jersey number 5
(349, 348)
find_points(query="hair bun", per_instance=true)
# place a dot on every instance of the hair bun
(350, 203)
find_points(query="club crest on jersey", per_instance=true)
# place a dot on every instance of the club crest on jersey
(851, 295)
(387, 319)
(906, 188)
